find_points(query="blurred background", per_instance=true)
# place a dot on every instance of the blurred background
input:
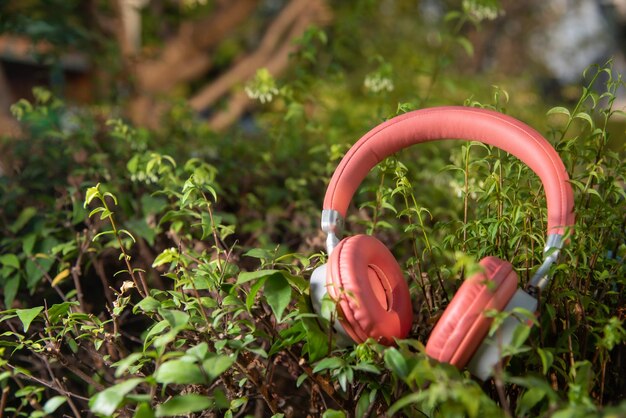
(140, 56)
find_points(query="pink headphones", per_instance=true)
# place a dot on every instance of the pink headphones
(366, 282)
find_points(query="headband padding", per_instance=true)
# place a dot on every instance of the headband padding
(373, 298)
(463, 123)
(463, 325)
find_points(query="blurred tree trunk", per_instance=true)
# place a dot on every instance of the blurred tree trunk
(187, 57)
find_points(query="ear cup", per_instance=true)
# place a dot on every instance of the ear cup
(463, 325)
(372, 297)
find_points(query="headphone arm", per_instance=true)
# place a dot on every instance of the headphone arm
(541, 278)
(332, 224)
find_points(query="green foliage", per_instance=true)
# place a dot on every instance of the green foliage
(147, 279)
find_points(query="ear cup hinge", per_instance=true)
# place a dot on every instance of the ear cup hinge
(332, 224)
(541, 278)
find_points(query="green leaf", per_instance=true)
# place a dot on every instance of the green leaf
(97, 210)
(546, 359)
(53, 403)
(167, 256)
(10, 290)
(520, 335)
(111, 196)
(125, 232)
(29, 243)
(92, 192)
(218, 364)
(60, 310)
(184, 404)
(158, 328)
(147, 304)
(98, 235)
(466, 44)
(329, 363)
(585, 116)
(332, 413)
(144, 411)
(25, 216)
(179, 372)
(530, 398)
(10, 260)
(125, 363)
(254, 289)
(301, 379)
(199, 351)
(559, 110)
(176, 319)
(396, 362)
(28, 315)
(405, 401)
(107, 401)
(247, 276)
(363, 404)
(278, 294)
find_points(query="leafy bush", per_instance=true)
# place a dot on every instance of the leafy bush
(142, 278)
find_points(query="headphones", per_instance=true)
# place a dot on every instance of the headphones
(366, 283)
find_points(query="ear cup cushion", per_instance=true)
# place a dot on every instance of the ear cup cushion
(463, 325)
(372, 296)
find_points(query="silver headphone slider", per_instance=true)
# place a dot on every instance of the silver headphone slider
(541, 278)
(332, 223)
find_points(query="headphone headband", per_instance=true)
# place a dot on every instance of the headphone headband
(455, 122)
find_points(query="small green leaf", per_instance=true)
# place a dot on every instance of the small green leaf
(10, 260)
(10, 290)
(97, 210)
(559, 110)
(144, 411)
(396, 362)
(92, 192)
(124, 364)
(247, 276)
(278, 294)
(529, 399)
(125, 232)
(332, 413)
(179, 372)
(329, 363)
(109, 232)
(167, 256)
(301, 379)
(176, 319)
(254, 289)
(25, 216)
(520, 335)
(184, 404)
(217, 365)
(147, 304)
(199, 351)
(28, 315)
(363, 404)
(29, 243)
(107, 401)
(546, 359)
(111, 196)
(60, 310)
(585, 116)
(53, 403)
